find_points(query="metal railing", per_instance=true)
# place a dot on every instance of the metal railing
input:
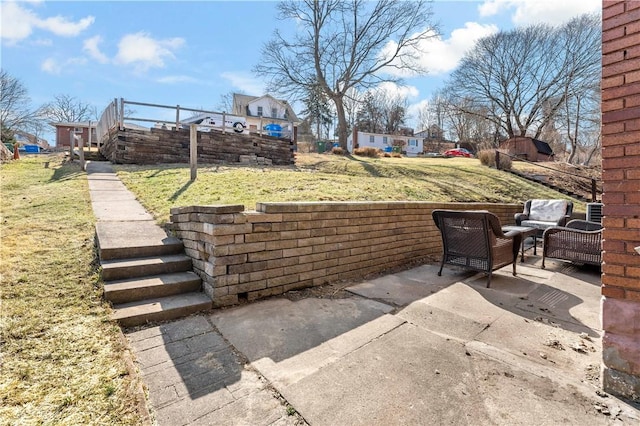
(117, 112)
(594, 186)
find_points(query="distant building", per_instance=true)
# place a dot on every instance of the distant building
(528, 149)
(24, 138)
(261, 111)
(410, 145)
(66, 131)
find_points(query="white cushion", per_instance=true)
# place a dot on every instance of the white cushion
(547, 210)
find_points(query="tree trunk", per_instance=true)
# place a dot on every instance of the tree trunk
(343, 133)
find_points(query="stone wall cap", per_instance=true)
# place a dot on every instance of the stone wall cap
(211, 209)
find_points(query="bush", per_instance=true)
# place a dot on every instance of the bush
(396, 155)
(368, 152)
(487, 157)
(337, 150)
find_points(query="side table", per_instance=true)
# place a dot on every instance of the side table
(526, 232)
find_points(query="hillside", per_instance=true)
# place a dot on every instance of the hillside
(326, 177)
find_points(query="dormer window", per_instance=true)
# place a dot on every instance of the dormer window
(274, 112)
(259, 111)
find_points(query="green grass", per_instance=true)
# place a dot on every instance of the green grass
(61, 358)
(327, 178)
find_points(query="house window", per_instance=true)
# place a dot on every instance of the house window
(384, 140)
(259, 111)
(413, 142)
(77, 130)
(372, 139)
(274, 112)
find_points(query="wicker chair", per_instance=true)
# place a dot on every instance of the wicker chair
(474, 239)
(580, 241)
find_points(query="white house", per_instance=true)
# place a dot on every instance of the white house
(411, 145)
(261, 111)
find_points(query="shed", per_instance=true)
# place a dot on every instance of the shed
(528, 149)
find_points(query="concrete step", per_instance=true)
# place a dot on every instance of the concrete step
(125, 240)
(119, 269)
(134, 289)
(160, 309)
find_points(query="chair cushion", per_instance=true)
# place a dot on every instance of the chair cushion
(538, 224)
(547, 210)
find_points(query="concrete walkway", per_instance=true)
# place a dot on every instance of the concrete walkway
(405, 348)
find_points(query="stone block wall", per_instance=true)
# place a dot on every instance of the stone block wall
(129, 146)
(284, 246)
(621, 197)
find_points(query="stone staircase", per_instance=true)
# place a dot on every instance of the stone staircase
(147, 277)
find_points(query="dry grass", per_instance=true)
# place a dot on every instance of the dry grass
(322, 177)
(62, 359)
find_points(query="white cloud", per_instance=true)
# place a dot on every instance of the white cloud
(244, 82)
(51, 66)
(443, 55)
(18, 23)
(90, 46)
(393, 89)
(439, 56)
(144, 52)
(54, 66)
(525, 12)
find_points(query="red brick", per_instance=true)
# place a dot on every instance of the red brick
(626, 114)
(621, 91)
(620, 19)
(632, 101)
(623, 67)
(614, 292)
(612, 34)
(614, 81)
(613, 151)
(613, 105)
(632, 27)
(613, 222)
(611, 246)
(633, 149)
(632, 5)
(612, 8)
(621, 163)
(632, 198)
(632, 295)
(621, 210)
(620, 43)
(624, 282)
(611, 175)
(613, 269)
(619, 258)
(613, 57)
(611, 128)
(633, 272)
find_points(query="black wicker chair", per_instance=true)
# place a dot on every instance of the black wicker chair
(543, 214)
(474, 239)
(580, 241)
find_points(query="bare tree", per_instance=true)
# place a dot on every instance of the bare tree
(65, 108)
(343, 45)
(15, 104)
(523, 76)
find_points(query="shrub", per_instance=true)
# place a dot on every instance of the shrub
(396, 155)
(368, 152)
(487, 157)
(337, 150)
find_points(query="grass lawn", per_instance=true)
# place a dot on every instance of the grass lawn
(61, 359)
(323, 177)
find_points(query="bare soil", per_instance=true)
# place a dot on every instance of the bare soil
(575, 179)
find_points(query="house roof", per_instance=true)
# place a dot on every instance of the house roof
(542, 147)
(241, 103)
(84, 124)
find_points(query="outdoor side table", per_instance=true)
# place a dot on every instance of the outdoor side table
(526, 232)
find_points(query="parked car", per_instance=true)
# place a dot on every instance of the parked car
(458, 152)
(238, 124)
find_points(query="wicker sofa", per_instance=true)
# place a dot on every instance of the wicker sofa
(474, 239)
(543, 214)
(580, 241)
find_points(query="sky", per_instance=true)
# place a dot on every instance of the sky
(190, 53)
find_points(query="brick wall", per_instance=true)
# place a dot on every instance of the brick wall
(153, 146)
(621, 196)
(286, 246)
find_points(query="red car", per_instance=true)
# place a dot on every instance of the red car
(458, 152)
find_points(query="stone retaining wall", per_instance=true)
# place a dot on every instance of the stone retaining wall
(153, 146)
(284, 246)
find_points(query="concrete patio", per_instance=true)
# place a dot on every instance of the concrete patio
(405, 348)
